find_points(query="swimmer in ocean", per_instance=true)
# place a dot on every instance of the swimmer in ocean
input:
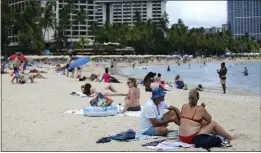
(168, 69)
(245, 71)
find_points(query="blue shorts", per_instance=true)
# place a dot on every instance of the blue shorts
(152, 131)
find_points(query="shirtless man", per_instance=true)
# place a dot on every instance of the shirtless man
(68, 62)
(222, 75)
(16, 66)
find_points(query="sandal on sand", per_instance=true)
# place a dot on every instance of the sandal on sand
(104, 140)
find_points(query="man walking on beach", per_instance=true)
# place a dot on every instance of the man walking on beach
(222, 75)
(68, 62)
(153, 121)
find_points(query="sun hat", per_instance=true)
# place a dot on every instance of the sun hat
(157, 93)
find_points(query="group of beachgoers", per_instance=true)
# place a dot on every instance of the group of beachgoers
(21, 75)
(193, 119)
(153, 80)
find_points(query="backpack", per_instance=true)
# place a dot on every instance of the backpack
(206, 141)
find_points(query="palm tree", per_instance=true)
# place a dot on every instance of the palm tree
(27, 23)
(48, 20)
(82, 42)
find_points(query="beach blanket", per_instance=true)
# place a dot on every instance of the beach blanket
(74, 111)
(79, 94)
(58, 73)
(130, 113)
(167, 145)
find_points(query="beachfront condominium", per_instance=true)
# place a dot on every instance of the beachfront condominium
(244, 17)
(100, 12)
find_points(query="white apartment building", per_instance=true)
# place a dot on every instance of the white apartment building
(100, 12)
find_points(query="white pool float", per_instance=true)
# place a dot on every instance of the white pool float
(100, 111)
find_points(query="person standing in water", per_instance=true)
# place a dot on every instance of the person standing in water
(222, 75)
(168, 69)
(245, 71)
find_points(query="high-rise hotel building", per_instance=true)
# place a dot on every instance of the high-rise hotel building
(244, 16)
(100, 12)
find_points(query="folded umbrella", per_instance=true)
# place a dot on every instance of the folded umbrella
(79, 62)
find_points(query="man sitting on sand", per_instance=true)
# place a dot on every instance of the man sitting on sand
(153, 121)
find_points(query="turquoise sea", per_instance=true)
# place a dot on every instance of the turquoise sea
(207, 75)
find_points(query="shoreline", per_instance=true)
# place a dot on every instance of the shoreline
(194, 61)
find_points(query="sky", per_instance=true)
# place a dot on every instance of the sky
(198, 13)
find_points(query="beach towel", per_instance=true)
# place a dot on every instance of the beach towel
(168, 145)
(130, 113)
(79, 94)
(74, 111)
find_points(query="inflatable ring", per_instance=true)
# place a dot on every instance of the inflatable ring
(100, 111)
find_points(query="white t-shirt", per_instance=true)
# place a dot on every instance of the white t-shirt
(149, 111)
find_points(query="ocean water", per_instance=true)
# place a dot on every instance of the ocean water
(207, 75)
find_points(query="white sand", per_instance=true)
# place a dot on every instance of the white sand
(34, 120)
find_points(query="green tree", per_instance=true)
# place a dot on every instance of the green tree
(48, 19)
(82, 42)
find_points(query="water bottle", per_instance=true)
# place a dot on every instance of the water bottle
(119, 108)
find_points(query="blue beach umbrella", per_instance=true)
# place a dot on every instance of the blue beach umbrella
(79, 62)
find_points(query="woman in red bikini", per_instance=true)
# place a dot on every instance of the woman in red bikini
(196, 120)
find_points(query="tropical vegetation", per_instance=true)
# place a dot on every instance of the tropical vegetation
(33, 22)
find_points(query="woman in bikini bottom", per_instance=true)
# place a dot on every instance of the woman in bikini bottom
(203, 123)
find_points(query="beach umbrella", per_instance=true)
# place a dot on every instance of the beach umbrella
(79, 62)
(20, 57)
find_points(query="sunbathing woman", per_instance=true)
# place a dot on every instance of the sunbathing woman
(89, 91)
(196, 120)
(132, 100)
(108, 78)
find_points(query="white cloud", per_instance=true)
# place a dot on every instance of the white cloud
(198, 13)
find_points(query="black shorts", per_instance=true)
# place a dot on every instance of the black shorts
(70, 70)
(67, 65)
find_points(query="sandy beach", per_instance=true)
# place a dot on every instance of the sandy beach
(33, 117)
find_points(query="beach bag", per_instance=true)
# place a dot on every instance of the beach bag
(179, 84)
(101, 101)
(206, 141)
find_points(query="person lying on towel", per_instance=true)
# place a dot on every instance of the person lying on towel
(153, 120)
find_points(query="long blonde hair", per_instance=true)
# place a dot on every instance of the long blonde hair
(193, 97)
(133, 80)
